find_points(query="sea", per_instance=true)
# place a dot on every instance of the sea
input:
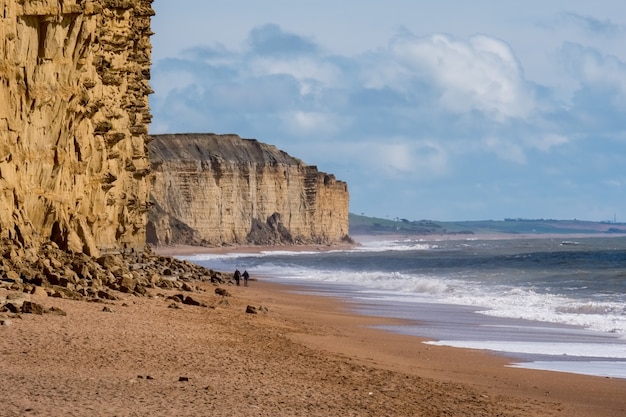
(547, 303)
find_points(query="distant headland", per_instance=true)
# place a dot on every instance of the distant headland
(364, 225)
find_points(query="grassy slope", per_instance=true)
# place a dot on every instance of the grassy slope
(363, 225)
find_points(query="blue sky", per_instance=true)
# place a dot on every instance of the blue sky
(448, 110)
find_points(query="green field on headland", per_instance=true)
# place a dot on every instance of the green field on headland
(363, 225)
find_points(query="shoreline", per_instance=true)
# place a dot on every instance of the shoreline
(511, 361)
(368, 339)
(189, 250)
(186, 250)
(301, 355)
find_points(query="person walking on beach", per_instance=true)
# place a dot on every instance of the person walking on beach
(237, 276)
(245, 278)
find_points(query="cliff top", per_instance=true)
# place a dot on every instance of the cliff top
(208, 146)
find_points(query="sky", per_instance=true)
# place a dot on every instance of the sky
(447, 110)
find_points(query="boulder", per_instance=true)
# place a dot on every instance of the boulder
(32, 308)
(223, 292)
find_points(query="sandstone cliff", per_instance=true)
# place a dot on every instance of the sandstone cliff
(73, 123)
(220, 189)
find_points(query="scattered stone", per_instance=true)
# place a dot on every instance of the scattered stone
(56, 311)
(173, 305)
(39, 292)
(32, 308)
(11, 308)
(222, 292)
(193, 302)
(251, 310)
(179, 298)
(107, 309)
(5, 322)
(106, 295)
(183, 379)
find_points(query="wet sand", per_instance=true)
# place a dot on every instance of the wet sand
(301, 355)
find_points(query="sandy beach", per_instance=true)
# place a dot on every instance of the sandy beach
(300, 355)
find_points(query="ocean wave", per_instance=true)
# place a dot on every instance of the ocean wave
(495, 285)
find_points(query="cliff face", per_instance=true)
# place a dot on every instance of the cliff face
(215, 189)
(73, 123)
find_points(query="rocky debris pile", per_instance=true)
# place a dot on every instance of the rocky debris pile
(53, 272)
(15, 305)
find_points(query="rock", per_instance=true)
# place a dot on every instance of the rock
(106, 295)
(52, 272)
(73, 124)
(222, 183)
(251, 310)
(222, 292)
(12, 276)
(11, 308)
(127, 283)
(183, 379)
(56, 311)
(177, 297)
(107, 309)
(39, 293)
(32, 308)
(193, 302)
(5, 322)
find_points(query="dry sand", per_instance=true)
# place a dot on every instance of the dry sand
(304, 356)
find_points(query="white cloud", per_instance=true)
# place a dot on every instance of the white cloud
(480, 73)
(434, 113)
(311, 73)
(401, 157)
(590, 66)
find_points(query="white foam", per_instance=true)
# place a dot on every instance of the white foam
(589, 350)
(596, 368)
(481, 292)
(394, 245)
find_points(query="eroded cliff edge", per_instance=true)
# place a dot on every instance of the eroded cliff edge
(221, 189)
(73, 123)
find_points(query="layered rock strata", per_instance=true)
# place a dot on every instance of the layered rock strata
(221, 189)
(73, 123)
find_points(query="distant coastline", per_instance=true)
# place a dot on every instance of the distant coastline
(364, 225)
